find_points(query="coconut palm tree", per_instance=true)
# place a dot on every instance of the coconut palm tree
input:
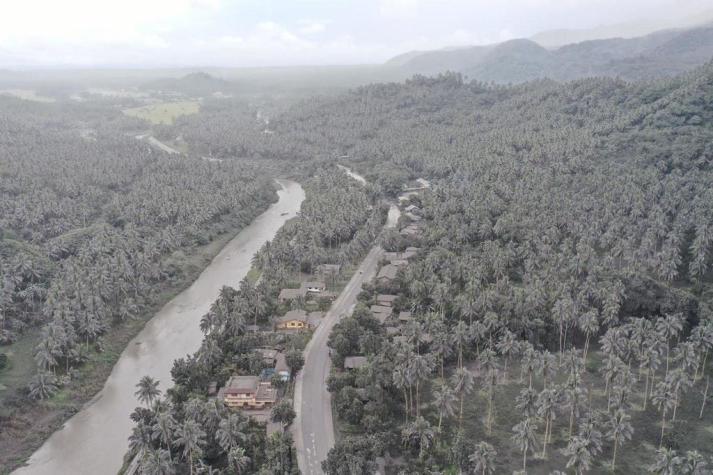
(507, 347)
(147, 390)
(547, 404)
(526, 402)
(231, 432)
(667, 462)
(418, 434)
(579, 455)
(620, 430)
(156, 462)
(524, 437)
(664, 399)
(237, 460)
(445, 400)
(462, 382)
(669, 327)
(488, 364)
(191, 437)
(400, 379)
(483, 458)
(163, 430)
(42, 386)
(420, 366)
(547, 366)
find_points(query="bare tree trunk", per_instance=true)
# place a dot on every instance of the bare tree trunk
(705, 396)
(663, 426)
(613, 460)
(646, 389)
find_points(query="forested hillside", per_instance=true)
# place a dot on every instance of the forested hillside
(660, 54)
(570, 232)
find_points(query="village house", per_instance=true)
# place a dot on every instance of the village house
(412, 209)
(381, 312)
(387, 273)
(288, 295)
(247, 392)
(405, 317)
(354, 362)
(411, 230)
(386, 300)
(293, 320)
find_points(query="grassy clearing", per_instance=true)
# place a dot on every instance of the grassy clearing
(165, 112)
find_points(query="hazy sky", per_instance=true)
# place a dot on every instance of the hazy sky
(152, 33)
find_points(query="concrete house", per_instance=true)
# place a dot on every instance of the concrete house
(247, 392)
(354, 362)
(387, 273)
(329, 269)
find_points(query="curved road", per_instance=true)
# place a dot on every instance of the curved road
(313, 429)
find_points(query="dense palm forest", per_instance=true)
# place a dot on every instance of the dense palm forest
(566, 286)
(95, 229)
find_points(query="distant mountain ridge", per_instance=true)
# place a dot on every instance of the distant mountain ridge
(659, 54)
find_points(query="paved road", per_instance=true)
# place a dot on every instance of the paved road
(313, 430)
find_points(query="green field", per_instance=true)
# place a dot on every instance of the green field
(165, 112)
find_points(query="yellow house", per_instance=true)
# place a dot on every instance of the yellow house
(293, 320)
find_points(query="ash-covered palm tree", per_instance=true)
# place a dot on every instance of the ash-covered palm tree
(462, 382)
(419, 435)
(620, 430)
(547, 366)
(483, 458)
(191, 437)
(547, 403)
(507, 347)
(42, 386)
(694, 463)
(667, 462)
(668, 328)
(664, 399)
(231, 432)
(420, 366)
(526, 402)
(445, 400)
(488, 364)
(156, 462)
(588, 324)
(579, 454)
(237, 460)
(147, 390)
(524, 437)
(400, 379)
(163, 430)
